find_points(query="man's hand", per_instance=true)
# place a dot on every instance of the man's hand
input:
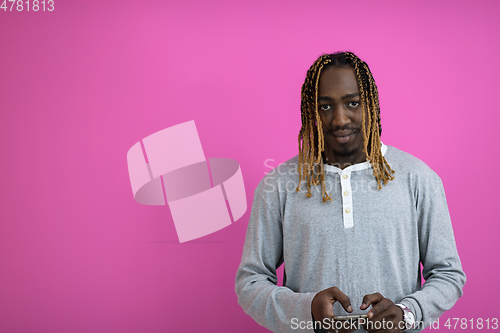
(385, 316)
(321, 306)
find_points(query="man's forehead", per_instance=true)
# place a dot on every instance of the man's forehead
(338, 78)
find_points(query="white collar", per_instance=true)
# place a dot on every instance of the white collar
(354, 167)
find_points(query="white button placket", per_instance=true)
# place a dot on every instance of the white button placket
(345, 186)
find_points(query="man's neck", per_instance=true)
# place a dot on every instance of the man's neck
(342, 162)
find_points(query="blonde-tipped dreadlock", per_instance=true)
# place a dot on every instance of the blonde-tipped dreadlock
(311, 139)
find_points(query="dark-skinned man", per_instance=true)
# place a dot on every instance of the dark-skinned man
(352, 220)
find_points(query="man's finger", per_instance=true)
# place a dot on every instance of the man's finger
(339, 296)
(378, 310)
(371, 299)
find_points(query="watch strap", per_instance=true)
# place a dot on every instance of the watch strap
(408, 317)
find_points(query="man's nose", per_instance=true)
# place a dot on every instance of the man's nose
(340, 117)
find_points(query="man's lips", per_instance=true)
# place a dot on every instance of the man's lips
(342, 133)
(343, 136)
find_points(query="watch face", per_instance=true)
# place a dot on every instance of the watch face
(409, 317)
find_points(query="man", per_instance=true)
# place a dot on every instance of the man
(351, 219)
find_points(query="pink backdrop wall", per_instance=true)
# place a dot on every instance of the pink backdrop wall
(80, 85)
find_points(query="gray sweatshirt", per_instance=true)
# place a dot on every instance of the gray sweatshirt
(364, 241)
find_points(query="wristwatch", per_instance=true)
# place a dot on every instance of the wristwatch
(408, 317)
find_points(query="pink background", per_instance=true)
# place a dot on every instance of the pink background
(80, 85)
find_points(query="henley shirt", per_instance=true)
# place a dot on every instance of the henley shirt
(364, 241)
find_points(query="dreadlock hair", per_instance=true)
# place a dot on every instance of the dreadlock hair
(311, 139)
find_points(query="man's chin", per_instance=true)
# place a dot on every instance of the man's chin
(345, 152)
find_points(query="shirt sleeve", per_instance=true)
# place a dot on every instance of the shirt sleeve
(442, 269)
(279, 309)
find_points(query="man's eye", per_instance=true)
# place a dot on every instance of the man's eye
(325, 107)
(353, 104)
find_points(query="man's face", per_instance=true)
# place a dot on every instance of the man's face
(339, 107)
